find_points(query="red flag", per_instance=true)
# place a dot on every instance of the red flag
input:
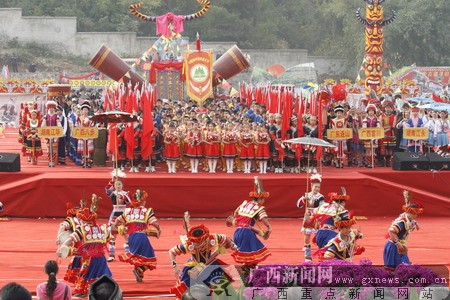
(147, 123)
(436, 98)
(299, 112)
(129, 138)
(106, 101)
(112, 138)
(320, 117)
(286, 100)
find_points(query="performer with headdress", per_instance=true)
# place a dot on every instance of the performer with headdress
(24, 117)
(370, 121)
(93, 238)
(140, 222)
(32, 141)
(171, 147)
(67, 227)
(119, 198)
(204, 248)
(250, 250)
(51, 119)
(396, 251)
(276, 147)
(229, 140)
(343, 245)
(193, 145)
(262, 148)
(85, 146)
(339, 122)
(388, 122)
(414, 121)
(311, 200)
(324, 215)
(293, 151)
(247, 142)
(212, 141)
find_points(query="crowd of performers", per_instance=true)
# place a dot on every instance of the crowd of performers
(81, 237)
(230, 136)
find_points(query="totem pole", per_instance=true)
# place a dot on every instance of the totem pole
(373, 59)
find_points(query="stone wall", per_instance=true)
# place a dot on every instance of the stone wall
(60, 32)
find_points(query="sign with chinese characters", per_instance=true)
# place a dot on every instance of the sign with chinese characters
(198, 66)
(50, 131)
(371, 133)
(169, 84)
(85, 132)
(415, 133)
(339, 134)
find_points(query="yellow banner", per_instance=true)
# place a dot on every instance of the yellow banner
(50, 131)
(88, 82)
(339, 134)
(374, 133)
(415, 133)
(198, 70)
(85, 132)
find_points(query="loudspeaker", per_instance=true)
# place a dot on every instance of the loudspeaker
(438, 162)
(9, 162)
(410, 161)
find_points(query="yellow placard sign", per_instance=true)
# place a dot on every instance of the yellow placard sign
(415, 133)
(85, 132)
(50, 131)
(339, 134)
(373, 133)
(91, 82)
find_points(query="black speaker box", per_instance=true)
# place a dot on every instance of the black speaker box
(407, 161)
(9, 162)
(438, 162)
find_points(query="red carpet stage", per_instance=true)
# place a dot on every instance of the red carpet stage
(28, 243)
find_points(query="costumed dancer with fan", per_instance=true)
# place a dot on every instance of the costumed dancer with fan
(395, 251)
(140, 222)
(250, 250)
(311, 200)
(324, 215)
(93, 238)
(66, 228)
(119, 198)
(204, 248)
(343, 246)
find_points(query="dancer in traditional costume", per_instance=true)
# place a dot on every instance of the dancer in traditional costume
(205, 248)
(138, 219)
(32, 141)
(93, 238)
(324, 215)
(212, 141)
(276, 147)
(311, 200)
(85, 146)
(193, 145)
(396, 251)
(171, 147)
(119, 198)
(388, 122)
(229, 140)
(262, 148)
(414, 121)
(370, 121)
(250, 250)
(339, 122)
(51, 119)
(343, 246)
(247, 142)
(66, 228)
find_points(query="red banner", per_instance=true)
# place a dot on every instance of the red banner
(198, 66)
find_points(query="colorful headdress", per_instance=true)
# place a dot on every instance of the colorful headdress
(198, 234)
(371, 107)
(89, 215)
(411, 207)
(258, 191)
(388, 103)
(51, 104)
(337, 197)
(343, 219)
(339, 108)
(415, 109)
(139, 198)
(315, 178)
(85, 105)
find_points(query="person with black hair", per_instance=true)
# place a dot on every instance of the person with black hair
(105, 288)
(14, 291)
(53, 289)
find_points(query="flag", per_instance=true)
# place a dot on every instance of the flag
(147, 123)
(198, 66)
(436, 98)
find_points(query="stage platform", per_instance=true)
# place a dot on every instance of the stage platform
(40, 191)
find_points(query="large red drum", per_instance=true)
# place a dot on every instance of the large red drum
(231, 63)
(110, 64)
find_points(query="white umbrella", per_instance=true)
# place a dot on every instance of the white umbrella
(312, 141)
